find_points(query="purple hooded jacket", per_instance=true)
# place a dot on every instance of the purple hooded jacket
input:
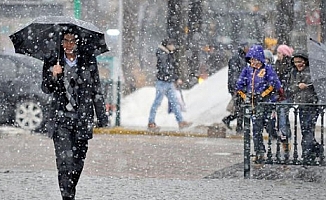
(254, 82)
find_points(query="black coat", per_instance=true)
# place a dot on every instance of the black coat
(283, 69)
(166, 65)
(236, 64)
(89, 95)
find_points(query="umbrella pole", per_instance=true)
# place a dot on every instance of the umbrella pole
(59, 43)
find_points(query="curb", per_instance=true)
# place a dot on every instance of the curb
(126, 131)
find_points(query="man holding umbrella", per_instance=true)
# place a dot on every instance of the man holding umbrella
(68, 47)
(73, 79)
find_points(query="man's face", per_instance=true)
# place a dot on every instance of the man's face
(171, 47)
(299, 63)
(69, 43)
(246, 49)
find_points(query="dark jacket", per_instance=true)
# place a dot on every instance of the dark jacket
(283, 69)
(89, 95)
(258, 82)
(236, 64)
(307, 95)
(166, 65)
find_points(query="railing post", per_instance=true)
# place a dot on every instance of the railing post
(322, 155)
(295, 142)
(269, 147)
(117, 120)
(270, 128)
(246, 147)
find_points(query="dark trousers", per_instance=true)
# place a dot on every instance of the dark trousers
(308, 116)
(262, 118)
(238, 115)
(70, 156)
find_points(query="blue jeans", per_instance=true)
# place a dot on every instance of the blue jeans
(283, 119)
(167, 89)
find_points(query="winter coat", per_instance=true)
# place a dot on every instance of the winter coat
(258, 84)
(307, 95)
(89, 95)
(236, 64)
(283, 69)
(166, 65)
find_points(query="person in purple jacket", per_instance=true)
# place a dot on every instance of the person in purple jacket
(257, 83)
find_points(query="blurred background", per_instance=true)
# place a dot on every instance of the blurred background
(207, 31)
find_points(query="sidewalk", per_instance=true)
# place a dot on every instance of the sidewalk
(142, 167)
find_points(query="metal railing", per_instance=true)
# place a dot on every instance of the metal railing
(275, 157)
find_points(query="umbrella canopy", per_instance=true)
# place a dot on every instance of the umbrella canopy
(317, 64)
(43, 36)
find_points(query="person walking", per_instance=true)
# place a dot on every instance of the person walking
(255, 85)
(72, 78)
(302, 91)
(167, 76)
(236, 64)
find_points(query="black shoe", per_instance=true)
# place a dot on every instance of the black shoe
(227, 123)
(68, 198)
(260, 158)
(239, 130)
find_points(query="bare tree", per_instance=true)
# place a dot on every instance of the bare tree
(284, 22)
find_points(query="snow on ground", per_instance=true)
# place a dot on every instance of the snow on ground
(206, 104)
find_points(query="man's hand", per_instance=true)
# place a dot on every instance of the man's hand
(303, 85)
(179, 82)
(281, 95)
(57, 69)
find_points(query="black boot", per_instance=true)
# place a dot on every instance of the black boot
(226, 121)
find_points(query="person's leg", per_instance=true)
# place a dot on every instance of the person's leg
(284, 128)
(284, 122)
(239, 116)
(306, 123)
(171, 95)
(70, 156)
(257, 129)
(227, 120)
(157, 101)
(79, 152)
(270, 122)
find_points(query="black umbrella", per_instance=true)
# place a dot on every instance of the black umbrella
(317, 64)
(43, 36)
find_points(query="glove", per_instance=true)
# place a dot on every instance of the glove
(281, 96)
(267, 91)
(242, 95)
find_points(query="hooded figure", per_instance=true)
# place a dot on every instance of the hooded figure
(255, 84)
(257, 81)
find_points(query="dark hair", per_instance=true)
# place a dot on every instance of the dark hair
(168, 41)
(301, 54)
(69, 30)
